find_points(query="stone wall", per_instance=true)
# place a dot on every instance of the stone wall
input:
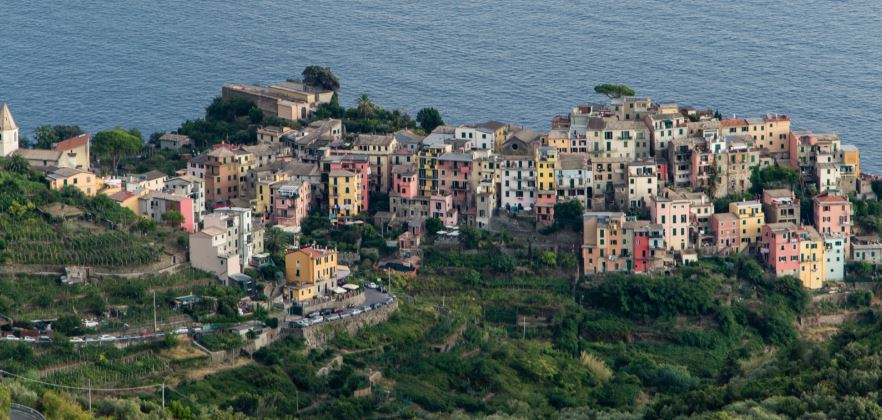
(318, 335)
(355, 300)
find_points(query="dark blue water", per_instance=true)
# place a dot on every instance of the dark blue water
(152, 64)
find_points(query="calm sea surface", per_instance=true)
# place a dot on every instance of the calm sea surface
(153, 64)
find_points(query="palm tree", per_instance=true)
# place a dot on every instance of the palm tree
(365, 106)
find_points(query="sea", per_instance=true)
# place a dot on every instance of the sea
(153, 64)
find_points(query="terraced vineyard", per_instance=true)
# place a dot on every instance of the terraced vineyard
(33, 241)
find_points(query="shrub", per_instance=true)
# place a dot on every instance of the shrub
(596, 367)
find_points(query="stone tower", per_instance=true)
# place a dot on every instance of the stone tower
(8, 132)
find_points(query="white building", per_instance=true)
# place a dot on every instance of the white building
(834, 253)
(8, 132)
(192, 187)
(481, 137)
(212, 250)
(237, 223)
(518, 180)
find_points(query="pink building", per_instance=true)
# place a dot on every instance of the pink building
(833, 215)
(155, 204)
(674, 216)
(353, 163)
(724, 226)
(545, 201)
(648, 240)
(780, 246)
(454, 177)
(290, 202)
(441, 207)
(405, 183)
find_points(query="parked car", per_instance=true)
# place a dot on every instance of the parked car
(367, 308)
(76, 340)
(371, 285)
(313, 314)
(182, 330)
(327, 311)
(88, 323)
(12, 338)
(302, 322)
(357, 311)
(44, 339)
(376, 305)
(29, 339)
(106, 337)
(345, 315)
(316, 320)
(333, 317)
(387, 301)
(196, 330)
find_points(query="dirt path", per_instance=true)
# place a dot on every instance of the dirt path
(200, 373)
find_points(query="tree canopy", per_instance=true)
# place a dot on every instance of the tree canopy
(614, 91)
(320, 77)
(47, 135)
(116, 144)
(429, 118)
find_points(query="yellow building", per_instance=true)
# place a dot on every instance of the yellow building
(812, 264)
(84, 181)
(344, 195)
(546, 164)
(851, 156)
(263, 200)
(309, 272)
(750, 223)
(427, 166)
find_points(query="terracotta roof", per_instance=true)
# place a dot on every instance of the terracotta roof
(830, 198)
(732, 122)
(316, 252)
(72, 143)
(121, 196)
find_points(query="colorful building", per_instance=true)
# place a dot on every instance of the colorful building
(750, 223)
(546, 185)
(84, 181)
(602, 242)
(345, 194)
(832, 215)
(725, 230)
(674, 215)
(309, 272)
(290, 203)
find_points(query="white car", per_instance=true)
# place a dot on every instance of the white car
(302, 323)
(182, 330)
(316, 320)
(76, 340)
(88, 323)
(196, 330)
(357, 311)
(106, 338)
(12, 338)
(371, 285)
(29, 339)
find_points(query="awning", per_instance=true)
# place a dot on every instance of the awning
(350, 286)
(338, 290)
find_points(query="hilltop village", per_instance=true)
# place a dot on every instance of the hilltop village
(645, 175)
(285, 254)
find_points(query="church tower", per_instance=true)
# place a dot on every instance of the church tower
(8, 132)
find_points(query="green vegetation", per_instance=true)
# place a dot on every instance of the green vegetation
(47, 135)
(320, 77)
(116, 144)
(40, 238)
(221, 341)
(429, 118)
(614, 91)
(773, 177)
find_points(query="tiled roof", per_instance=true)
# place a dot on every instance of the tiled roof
(72, 143)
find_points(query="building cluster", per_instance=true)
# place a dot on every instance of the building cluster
(646, 174)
